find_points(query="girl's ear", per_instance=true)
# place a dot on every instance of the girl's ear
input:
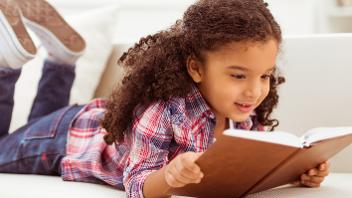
(194, 69)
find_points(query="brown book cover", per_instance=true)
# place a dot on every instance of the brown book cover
(238, 166)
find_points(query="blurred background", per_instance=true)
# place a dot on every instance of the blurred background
(137, 18)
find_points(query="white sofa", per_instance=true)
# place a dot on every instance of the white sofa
(317, 93)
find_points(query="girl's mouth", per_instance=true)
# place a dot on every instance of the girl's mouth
(245, 108)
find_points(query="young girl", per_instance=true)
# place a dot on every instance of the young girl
(217, 63)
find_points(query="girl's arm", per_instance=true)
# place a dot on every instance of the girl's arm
(150, 140)
(147, 172)
(155, 185)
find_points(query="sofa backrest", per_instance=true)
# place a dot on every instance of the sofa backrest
(317, 92)
(318, 88)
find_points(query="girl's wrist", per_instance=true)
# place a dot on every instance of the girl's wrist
(156, 185)
(163, 171)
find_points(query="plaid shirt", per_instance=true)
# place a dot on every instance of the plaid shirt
(158, 134)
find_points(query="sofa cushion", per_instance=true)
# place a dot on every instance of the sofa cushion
(37, 186)
(334, 185)
(318, 72)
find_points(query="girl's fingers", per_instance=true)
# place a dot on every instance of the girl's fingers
(296, 182)
(172, 181)
(316, 172)
(180, 176)
(191, 166)
(327, 164)
(324, 166)
(188, 162)
(310, 184)
(183, 170)
(324, 169)
(314, 179)
(315, 176)
(313, 171)
(186, 172)
(304, 177)
(322, 173)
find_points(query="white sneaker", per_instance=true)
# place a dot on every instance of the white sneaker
(16, 46)
(61, 41)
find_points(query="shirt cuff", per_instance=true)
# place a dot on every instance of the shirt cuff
(134, 186)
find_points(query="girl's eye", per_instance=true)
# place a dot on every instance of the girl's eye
(238, 76)
(266, 77)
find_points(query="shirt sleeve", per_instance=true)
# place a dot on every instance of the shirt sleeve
(150, 139)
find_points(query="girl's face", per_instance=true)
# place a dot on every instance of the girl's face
(235, 79)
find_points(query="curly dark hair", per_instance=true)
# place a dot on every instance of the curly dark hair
(156, 70)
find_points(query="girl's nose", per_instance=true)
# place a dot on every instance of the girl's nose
(253, 90)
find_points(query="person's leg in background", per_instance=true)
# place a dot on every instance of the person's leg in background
(16, 48)
(64, 46)
(53, 89)
(39, 146)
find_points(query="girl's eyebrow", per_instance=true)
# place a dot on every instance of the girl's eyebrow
(272, 69)
(238, 67)
(246, 69)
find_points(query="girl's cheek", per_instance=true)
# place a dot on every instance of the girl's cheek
(265, 93)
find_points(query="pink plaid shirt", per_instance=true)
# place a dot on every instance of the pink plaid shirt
(159, 133)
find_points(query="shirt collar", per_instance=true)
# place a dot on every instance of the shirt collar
(245, 125)
(197, 103)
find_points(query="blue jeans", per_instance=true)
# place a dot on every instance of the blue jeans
(38, 146)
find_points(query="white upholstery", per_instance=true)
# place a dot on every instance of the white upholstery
(318, 92)
(317, 66)
(337, 185)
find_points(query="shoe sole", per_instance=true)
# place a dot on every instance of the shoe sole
(40, 13)
(17, 46)
(11, 20)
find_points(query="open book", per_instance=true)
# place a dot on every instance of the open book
(244, 162)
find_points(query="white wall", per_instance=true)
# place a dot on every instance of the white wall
(295, 17)
(138, 18)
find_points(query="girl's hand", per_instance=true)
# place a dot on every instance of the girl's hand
(314, 176)
(182, 170)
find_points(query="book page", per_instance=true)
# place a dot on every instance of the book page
(278, 137)
(323, 133)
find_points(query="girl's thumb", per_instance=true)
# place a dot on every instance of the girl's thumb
(199, 154)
